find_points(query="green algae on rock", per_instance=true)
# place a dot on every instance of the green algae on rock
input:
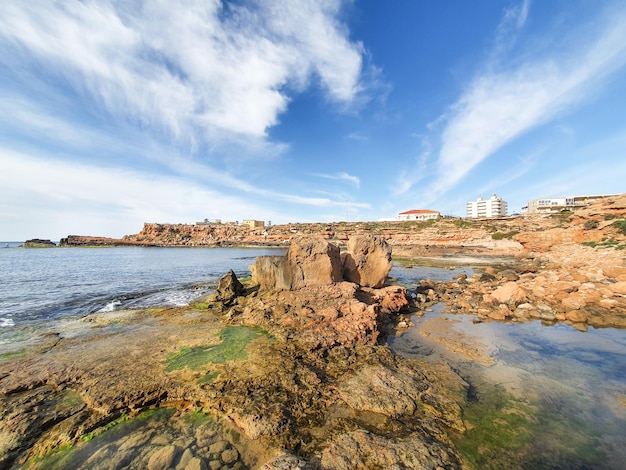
(235, 340)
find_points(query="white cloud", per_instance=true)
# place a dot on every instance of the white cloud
(68, 198)
(501, 104)
(71, 198)
(341, 176)
(201, 70)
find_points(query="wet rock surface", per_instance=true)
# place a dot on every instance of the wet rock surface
(310, 384)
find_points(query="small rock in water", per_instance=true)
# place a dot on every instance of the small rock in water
(197, 464)
(229, 456)
(163, 458)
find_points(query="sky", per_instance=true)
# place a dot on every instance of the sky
(118, 112)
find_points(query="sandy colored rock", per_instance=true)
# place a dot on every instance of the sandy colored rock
(576, 316)
(271, 273)
(380, 390)
(163, 458)
(362, 450)
(618, 287)
(367, 261)
(196, 464)
(313, 262)
(575, 301)
(310, 261)
(509, 292)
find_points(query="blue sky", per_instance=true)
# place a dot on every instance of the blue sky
(116, 113)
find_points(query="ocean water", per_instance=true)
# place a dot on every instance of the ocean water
(52, 283)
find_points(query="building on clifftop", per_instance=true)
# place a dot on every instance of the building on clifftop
(253, 223)
(419, 214)
(550, 205)
(485, 208)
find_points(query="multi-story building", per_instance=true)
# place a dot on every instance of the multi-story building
(484, 208)
(550, 205)
(419, 214)
(253, 223)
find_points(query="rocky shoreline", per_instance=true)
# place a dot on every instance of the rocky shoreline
(290, 369)
(313, 385)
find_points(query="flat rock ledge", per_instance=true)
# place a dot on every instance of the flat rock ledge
(315, 389)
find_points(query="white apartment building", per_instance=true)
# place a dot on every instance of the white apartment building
(550, 205)
(419, 214)
(484, 208)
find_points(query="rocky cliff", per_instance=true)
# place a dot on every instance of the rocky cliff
(509, 236)
(571, 268)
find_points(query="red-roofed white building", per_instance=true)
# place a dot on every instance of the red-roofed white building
(419, 214)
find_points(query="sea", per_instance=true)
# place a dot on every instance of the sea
(568, 386)
(39, 284)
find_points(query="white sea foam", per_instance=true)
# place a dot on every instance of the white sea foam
(6, 322)
(111, 306)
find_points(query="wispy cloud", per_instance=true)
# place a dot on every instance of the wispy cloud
(358, 136)
(341, 176)
(203, 71)
(68, 198)
(502, 103)
(513, 20)
(417, 171)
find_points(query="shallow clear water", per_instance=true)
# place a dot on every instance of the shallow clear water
(410, 276)
(50, 283)
(569, 385)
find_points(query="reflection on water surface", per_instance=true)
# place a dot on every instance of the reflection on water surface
(540, 397)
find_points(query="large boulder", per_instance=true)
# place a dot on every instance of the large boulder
(367, 261)
(310, 261)
(313, 261)
(271, 273)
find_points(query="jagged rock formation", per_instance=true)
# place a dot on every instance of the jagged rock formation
(314, 261)
(316, 387)
(367, 261)
(228, 289)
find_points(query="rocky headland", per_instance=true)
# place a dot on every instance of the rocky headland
(566, 267)
(290, 369)
(38, 243)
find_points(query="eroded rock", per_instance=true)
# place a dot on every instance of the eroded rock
(310, 261)
(228, 289)
(361, 449)
(367, 261)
